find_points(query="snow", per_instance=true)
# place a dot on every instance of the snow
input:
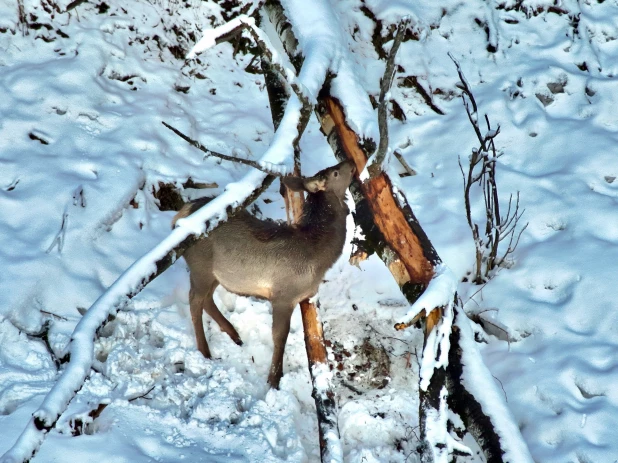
(322, 43)
(478, 381)
(81, 135)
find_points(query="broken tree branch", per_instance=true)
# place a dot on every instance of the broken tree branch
(225, 157)
(323, 394)
(375, 166)
(476, 399)
(410, 172)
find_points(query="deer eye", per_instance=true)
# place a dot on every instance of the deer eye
(336, 174)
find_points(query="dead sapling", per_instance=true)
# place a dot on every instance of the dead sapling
(482, 173)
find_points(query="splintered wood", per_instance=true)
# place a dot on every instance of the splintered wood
(387, 215)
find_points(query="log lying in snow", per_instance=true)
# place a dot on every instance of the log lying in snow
(400, 241)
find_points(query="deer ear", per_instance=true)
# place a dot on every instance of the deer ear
(294, 183)
(314, 184)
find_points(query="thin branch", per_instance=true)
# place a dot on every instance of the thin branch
(482, 171)
(411, 172)
(225, 157)
(235, 27)
(59, 238)
(385, 86)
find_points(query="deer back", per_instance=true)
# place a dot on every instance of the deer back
(271, 259)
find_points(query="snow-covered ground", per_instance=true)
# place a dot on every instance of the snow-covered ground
(82, 149)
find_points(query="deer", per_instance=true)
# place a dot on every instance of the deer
(271, 260)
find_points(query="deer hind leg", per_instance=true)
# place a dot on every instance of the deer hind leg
(196, 302)
(211, 309)
(282, 312)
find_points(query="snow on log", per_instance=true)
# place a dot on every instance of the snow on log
(320, 41)
(475, 397)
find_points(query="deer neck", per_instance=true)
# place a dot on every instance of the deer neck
(324, 216)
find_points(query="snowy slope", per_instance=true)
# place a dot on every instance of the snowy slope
(82, 97)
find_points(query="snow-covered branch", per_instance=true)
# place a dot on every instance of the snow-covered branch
(243, 22)
(81, 347)
(478, 397)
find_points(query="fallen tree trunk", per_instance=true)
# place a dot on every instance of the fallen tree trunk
(397, 237)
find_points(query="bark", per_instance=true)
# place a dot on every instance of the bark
(467, 407)
(397, 237)
(323, 394)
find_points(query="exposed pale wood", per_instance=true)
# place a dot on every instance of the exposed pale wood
(326, 407)
(432, 320)
(387, 215)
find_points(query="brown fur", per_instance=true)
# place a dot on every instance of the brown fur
(272, 260)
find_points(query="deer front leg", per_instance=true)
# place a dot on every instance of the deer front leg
(281, 328)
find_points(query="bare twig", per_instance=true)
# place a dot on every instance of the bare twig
(79, 197)
(74, 4)
(53, 315)
(482, 171)
(225, 157)
(59, 238)
(142, 396)
(43, 335)
(351, 388)
(385, 86)
(411, 172)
